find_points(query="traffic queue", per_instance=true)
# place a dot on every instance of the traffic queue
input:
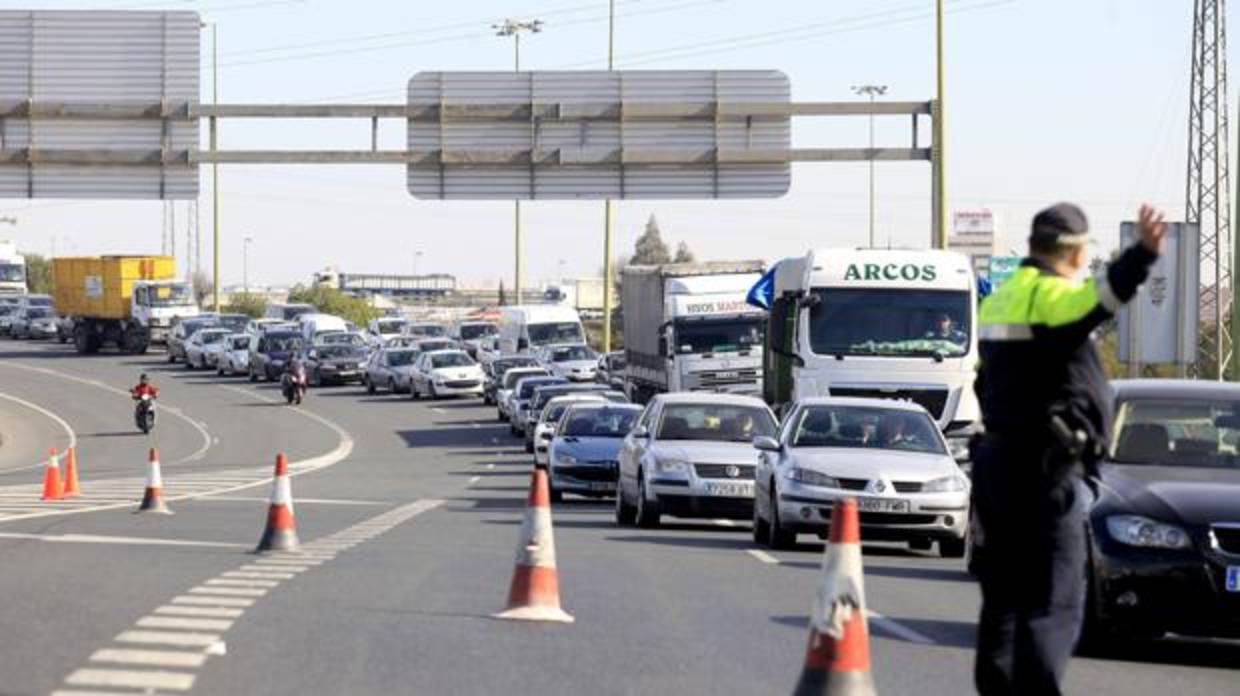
(717, 409)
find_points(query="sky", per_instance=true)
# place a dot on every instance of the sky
(1048, 100)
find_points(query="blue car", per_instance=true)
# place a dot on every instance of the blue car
(584, 453)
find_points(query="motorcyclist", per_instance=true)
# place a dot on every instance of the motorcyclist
(144, 388)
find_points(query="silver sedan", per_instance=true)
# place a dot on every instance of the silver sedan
(887, 454)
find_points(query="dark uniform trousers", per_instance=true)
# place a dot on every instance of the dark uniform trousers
(1032, 568)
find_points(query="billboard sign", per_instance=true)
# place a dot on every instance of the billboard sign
(580, 135)
(1166, 310)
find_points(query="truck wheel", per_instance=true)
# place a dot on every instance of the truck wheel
(80, 339)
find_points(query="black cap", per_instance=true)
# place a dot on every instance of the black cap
(1063, 223)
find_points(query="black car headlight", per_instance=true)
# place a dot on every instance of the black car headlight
(1135, 530)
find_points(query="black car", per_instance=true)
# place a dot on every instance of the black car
(1165, 531)
(495, 370)
(273, 351)
(337, 363)
(180, 333)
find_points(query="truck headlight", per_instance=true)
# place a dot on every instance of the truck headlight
(809, 477)
(1135, 530)
(672, 466)
(948, 484)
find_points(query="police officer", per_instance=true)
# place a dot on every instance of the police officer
(1040, 369)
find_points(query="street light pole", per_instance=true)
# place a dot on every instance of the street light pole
(871, 91)
(245, 264)
(608, 211)
(939, 165)
(513, 28)
(215, 169)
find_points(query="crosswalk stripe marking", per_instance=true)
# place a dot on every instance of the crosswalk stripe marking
(154, 658)
(218, 612)
(213, 601)
(238, 591)
(175, 681)
(257, 575)
(184, 623)
(234, 582)
(168, 637)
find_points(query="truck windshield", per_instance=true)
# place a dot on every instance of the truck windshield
(12, 273)
(719, 335)
(558, 332)
(175, 295)
(886, 321)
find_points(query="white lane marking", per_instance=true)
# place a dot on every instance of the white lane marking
(762, 556)
(174, 681)
(167, 637)
(260, 567)
(99, 539)
(474, 480)
(257, 575)
(724, 523)
(238, 582)
(216, 612)
(64, 425)
(298, 563)
(153, 658)
(300, 501)
(196, 455)
(183, 623)
(235, 591)
(490, 466)
(436, 409)
(213, 601)
(897, 629)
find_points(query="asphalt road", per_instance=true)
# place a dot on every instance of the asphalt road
(410, 512)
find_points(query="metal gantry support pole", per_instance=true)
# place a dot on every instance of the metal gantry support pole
(939, 159)
(608, 205)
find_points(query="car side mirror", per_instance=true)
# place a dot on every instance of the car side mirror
(641, 432)
(767, 444)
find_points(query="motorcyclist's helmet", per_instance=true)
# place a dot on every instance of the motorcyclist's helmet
(144, 379)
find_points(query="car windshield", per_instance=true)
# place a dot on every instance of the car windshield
(556, 332)
(38, 313)
(342, 338)
(192, 326)
(553, 413)
(171, 295)
(866, 427)
(1195, 433)
(513, 376)
(12, 273)
(433, 330)
(501, 367)
(340, 351)
(234, 322)
(719, 335)
(882, 321)
(543, 396)
(399, 358)
(529, 385)
(600, 422)
(38, 302)
(571, 353)
(240, 342)
(390, 326)
(209, 337)
(715, 422)
(450, 360)
(472, 331)
(283, 344)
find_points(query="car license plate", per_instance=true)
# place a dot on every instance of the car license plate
(881, 505)
(1233, 578)
(602, 486)
(730, 490)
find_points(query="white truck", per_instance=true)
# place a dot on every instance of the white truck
(897, 324)
(583, 294)
(12, 269)
(687, 327)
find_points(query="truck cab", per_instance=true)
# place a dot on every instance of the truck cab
(898, 324)
(12, 269)
(158, 304)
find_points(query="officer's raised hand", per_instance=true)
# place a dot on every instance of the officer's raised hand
(1152, 229)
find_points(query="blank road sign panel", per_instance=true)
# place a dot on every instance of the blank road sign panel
(598, 134)
(98, 104)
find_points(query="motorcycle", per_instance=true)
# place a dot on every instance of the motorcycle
(144, 414)
(294, 385)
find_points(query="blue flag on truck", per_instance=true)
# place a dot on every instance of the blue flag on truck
(762, 294)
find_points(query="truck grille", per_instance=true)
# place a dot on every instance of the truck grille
(720, 471)
(933, 400)
(1227, 537)
(723, 378)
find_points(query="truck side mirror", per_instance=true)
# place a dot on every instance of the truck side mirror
(663, 350)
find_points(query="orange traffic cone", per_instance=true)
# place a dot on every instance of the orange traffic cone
(534, 594)
(52, 488)
(72, 490)
(281, 531)
(153, 498)
(837, 661)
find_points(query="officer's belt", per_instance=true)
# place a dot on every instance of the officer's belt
(1005, 332)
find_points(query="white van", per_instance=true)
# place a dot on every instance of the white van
(315, 325)
(288, 312)
(524, 328)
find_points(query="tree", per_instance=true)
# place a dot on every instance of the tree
(250, 304)
(332, 301)
(203, 287)
(38, 274)
(650, 249)
(684, 254)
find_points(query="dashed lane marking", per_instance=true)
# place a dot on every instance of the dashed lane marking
(199, 618)
(762, 556)
(474, 479)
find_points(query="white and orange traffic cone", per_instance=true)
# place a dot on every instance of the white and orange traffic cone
(53, 489)
(153, 497)
(534, 594)
(837, 661)
(72, 489)
(281, 531)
